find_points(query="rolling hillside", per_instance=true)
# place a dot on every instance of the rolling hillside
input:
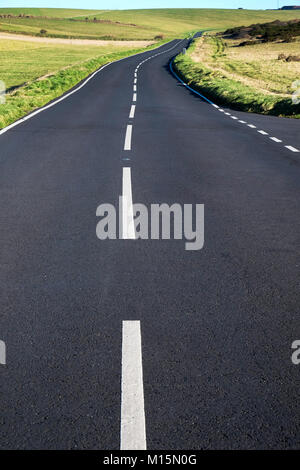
(129, 24)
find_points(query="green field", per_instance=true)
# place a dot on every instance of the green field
(131, 24)
(36, 72)
(22, 62)
(42, 72)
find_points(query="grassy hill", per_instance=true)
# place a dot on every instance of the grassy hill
(35, 72)
(131, 24)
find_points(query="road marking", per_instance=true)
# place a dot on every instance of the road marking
(128, 231)
(2, 352)
(135, 80)
(291, 148)
(58, 100)
(133, 427)
(252, 126)
(134, 87)
(134, 97)
(263, 132)
(127, 144)
(132, 111)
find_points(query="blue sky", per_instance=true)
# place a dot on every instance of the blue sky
(124, 4)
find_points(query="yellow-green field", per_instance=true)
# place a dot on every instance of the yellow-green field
(248, 77)
(35, 73)
(131, 24)
(21, 61)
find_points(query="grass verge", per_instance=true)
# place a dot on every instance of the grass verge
(235, 82)
(39, 92)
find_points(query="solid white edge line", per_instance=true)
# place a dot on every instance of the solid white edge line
(127, 143)
(128, 230)
(133, 426)
(132, 111)
(58, 100)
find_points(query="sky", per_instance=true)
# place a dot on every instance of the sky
(127, 4)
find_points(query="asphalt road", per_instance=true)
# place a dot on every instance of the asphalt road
(216, 324)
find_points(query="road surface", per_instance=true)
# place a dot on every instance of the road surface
(206, 334)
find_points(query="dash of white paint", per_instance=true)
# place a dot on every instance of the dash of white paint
(2, 352)
(134, 97)
(233, 117)
(291, 148)
(135, 80)
(128, 230)
(132, 111)
(275, 139)
(127, 144)
(133, 427)
(134, 87)
(252, 126)
(215, 105)
(242, 122)
(228, 114)
(263, 132)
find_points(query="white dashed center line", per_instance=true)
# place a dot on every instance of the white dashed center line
(132, 111)
(134, 87)
(127, 144)
(275, 139)
(252, 126)
(128, 231)
(133, 427)
(134, 97)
